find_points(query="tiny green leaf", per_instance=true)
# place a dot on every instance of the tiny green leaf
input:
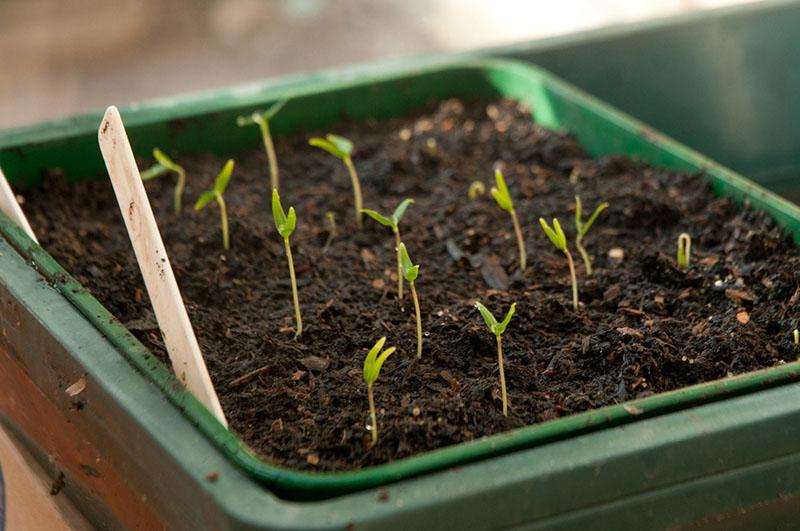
(580, 226)
(165, 161)
(684, 250)
(475, 189)
(400, 211)
(488, 318)
(374, 361)
(341, 143)
(276, 107)
(224, 177)
(500, 192)
(383, 220)
(410, 271)
(154, 171)
(204, 199)
(285, 224)
(556, 234)
(501, 327)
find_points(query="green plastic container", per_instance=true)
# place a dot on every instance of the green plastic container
(150, 436)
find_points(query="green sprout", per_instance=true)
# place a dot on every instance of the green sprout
(285, 225)
(796, 334)
(684, 250)
(411, 272)
(393, 222)
(341, 148)
(220, 184)
(582, 228)
(477, 188)
(163, 165)
(559, 239)
(372, 368)
(497, 329)
(262, 120)
(503, 198)
(332, 233)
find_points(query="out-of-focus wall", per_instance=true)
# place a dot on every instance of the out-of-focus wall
(60, 58)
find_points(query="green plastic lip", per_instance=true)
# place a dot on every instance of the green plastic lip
(198, 123)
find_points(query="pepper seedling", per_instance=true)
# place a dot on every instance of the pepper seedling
(582, 228)
(497, 329)
(684, 250)
(477, 188)
(285, 225)
(262, 119)
(220, 184)
(559, 239)
(796, 334)
(342, 148)
(163, 165)
(393, 222)
(332, 232)
(503, 198)
(372, 369)
(411, 272)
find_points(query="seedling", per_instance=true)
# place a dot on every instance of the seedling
(497, 329)
(559, 239)
(477, 188)
(503, 198)
(220, 184)
(372, 368)
(684, 250)
(332, 233)
(393, 222)
(582, 228)
(411, 272)
(163, 165)
(262, 120)
(796, 335)
(285, 225)
(342, 148)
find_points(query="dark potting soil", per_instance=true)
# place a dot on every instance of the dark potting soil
(643, 327)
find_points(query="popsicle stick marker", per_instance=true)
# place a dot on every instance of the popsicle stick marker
(11, 208)
(179, 339)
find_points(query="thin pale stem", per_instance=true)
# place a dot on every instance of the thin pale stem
(372, 417)
(223, 217)
(587, 262)
(399, 264)
(294, 288)
(270, 149)
(356, 189)
(419, 319)
(181, 184)
(573, 278)
(502, 375)
(523, 256)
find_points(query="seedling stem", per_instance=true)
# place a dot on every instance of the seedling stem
(559, 239)
(342, 148)
(411, 272)
(582, 228)
(503, 198)
(220, 184)
(372, 369)
(497, 329)
(285, 223)
(393, 222)
(684, 250)
(163, 165)
(262, 119)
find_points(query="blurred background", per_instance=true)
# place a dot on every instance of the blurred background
(65, 57)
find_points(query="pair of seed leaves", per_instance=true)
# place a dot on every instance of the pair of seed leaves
(262, 118)
(336, 145)
(285, 223)
(497, 328)
(164, 164)
(220, 184)
(374, 360)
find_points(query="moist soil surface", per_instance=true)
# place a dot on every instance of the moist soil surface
(643, 326)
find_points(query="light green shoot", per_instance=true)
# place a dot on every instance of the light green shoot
(285, 225)
(332, 232)
(684, 250)
(220, 184)
(261, 119)
(372, 369)
(503, 198)
(582, 228)
(497, 329)
(796, 337)
(393, 222)
(411, 272)
(342, 148)
(477, 188)
(163, 165)
(559, 239)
